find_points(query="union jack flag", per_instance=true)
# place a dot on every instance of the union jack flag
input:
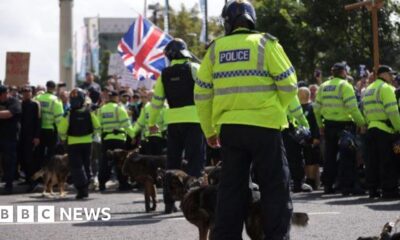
(141, 49)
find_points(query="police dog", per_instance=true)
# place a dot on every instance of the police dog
(54, 173)
(198, 207)
(143, 169)
(177, 182)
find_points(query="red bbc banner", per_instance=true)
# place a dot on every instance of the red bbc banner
(17, 68)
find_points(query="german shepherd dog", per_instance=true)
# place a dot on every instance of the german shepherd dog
(54, 173)
(198, 207)
(199, 198)
(143, 169)
(178, 182)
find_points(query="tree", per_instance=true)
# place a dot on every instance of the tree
(186, 24)
(316, 34)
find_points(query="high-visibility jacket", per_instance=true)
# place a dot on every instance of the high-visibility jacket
(114, 121)
(245, 78)
(380, 107)
(186, 114)
(142, 123)
(51, 110)
(336, 101)
(71, 140)
(296, 115)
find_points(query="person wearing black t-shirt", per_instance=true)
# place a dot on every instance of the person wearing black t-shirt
(10, 111)
(90, 83)
(29, 137)
(311, 152)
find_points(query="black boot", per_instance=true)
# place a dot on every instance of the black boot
(328, 189)
(170, 208)
(374, 193)
(82, 193)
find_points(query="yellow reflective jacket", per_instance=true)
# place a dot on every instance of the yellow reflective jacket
(51, 110)
(142, 123)
(187, 114)
(336, 101)
(380, 107)
(296, 115)
(115, 122)
(245, 78)
(63, 131)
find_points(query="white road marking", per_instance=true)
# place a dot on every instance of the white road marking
(324, 213)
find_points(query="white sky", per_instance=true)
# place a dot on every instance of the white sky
(33, 25)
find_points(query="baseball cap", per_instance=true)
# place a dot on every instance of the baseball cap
(386, 68)
(112, 93)
(50, 84)
(339, 66)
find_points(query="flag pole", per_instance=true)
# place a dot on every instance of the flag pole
(145, 8)
(166, 16)
(206, 16)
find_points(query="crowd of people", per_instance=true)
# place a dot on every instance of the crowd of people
(30, 115)
(32, 125)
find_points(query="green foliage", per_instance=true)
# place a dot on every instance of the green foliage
(104, 61)
(316, 34)
(186, 24)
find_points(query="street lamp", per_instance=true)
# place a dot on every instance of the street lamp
(155, 7)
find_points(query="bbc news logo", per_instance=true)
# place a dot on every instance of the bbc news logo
(48, 214)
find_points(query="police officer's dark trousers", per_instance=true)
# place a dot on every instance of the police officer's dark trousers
(262, 147)
(79, 156)
(106, 164)
(47, 146)
(152, 146)
(8, 150)
(295, 158)
(344, 163)
(187, 138)
(25, 155)
(381, 168)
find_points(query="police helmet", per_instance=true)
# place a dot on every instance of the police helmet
(236, 11)
(177, 49)
(77, 98)
(347, 141)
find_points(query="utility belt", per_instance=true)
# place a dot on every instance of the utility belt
(338, 124)
(115, 132)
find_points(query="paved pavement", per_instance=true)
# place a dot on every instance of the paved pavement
(331, 218)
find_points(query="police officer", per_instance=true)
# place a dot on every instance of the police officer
(294, 149)
(10, 111)
(51, 111)
(244, 87)
(77, 129)
(335, 110)
(382, 114)
(151, 143)
(115, 125)
(176, 85)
